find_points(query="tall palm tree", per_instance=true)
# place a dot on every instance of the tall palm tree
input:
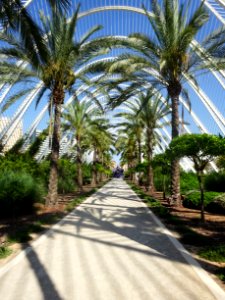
(164, 59)
(56, 61)
(126, 145)
(13, 13)
(100, 140)
(152, 109)
(132, 125)
(147, 110)
(81, 120)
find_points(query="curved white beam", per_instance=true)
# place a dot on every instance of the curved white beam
(212, 8)
(19, 113)
(105, 8)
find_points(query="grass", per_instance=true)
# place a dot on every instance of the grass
(214, 253)
(187, 235)
(79, 200)
(221, 274)
(23, 234)
(151, 202)
(4, 252)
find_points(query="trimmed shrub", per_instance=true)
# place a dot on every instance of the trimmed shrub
(217, 205)
(18, 192)
(192, 200)
(215, 182)
(87, 173)
(67, 176)
(159, 178)
(66, 185)
(188, 182)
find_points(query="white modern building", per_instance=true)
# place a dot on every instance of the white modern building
(9, 141)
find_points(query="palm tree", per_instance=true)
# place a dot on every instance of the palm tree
(126, 145)
(146, 112)
(14, 15)
(164, 59)
(100, 140)
(81, 120)
(151, 110)
(133, 126)
(56, 61)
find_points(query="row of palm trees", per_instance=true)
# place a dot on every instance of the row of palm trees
(86, 124)
(143, 117)
(49, 53)
(166, 59)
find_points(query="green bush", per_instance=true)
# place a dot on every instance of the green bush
(66, 185)
(215, 182)
(18, 192)
(221, 273)
(4, 251)
(87, 173)
(192, 200)
(188, 182)
(217, 205)
(67, 176)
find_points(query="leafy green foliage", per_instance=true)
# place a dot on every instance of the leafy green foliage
(66, 181)
(193, 238)
(4, 251)
(18, 192)
(79, 200)
(214, 253)
(23, 235)
(201, 148)
(217, 205)
(215, 182)
(151, 202)
(86, 169)
(221, 274)
(188, 182)
(192, 200)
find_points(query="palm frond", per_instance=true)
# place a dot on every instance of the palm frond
(12, 99)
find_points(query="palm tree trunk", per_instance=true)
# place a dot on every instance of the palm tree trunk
(79, 166)
(139, 159)
(58, 98)
(150, 187)
(174, 91)
(94, 170)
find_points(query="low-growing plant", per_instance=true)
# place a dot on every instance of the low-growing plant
(191, 237)
(70, 206)
(4, 251)
(151, 202)
(188, 182)
(213, 253)
(217, 205)
(221, 274)
(23, 235)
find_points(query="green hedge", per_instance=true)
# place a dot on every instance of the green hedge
(18, 192)
(215, 182)
(188, 182)
(217, 205)
(192, 200)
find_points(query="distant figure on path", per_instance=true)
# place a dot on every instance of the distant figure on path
(118, 172)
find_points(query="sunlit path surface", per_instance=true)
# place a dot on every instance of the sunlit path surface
(110, 247)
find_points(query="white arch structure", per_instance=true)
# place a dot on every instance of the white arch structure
(216, 115)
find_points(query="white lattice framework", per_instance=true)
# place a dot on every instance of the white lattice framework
(216, 8)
